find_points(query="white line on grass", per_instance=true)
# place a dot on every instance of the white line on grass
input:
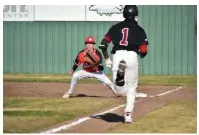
(67, 126)
(161, 94)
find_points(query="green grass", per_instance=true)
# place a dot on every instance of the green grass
(168, 80)
(26, 115)
(177, 117)
(143, 80)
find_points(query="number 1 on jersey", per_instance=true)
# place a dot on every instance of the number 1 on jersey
(125, 32)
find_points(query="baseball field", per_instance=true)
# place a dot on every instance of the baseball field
(34, 104)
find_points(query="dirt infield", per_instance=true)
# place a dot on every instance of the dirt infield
(107, 121)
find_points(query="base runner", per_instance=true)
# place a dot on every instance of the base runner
(129, 41)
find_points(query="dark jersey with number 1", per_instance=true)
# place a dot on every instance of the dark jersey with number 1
(126, 36)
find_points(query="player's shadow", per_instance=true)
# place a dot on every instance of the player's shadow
(83, 95)
(110, 117)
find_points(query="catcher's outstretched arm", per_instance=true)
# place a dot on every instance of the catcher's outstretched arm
(75, 66)
(76, 62)
(100, 66)
(103, 46)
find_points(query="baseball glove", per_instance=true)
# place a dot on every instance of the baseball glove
(91, 58)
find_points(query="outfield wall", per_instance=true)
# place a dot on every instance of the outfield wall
(49, 47)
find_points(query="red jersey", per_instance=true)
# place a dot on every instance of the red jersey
(87, 66)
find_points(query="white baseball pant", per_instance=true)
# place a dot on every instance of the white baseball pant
(82, 74)
(131, 76)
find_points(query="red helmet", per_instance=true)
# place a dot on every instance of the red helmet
(90, 39)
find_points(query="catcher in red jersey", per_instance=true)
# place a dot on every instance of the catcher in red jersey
(92, 67)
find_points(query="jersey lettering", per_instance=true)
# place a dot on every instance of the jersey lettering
(125, 32)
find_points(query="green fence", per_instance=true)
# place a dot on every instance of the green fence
(51, 47)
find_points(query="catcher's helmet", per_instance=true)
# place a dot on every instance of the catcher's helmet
(90, 39)
(130, 11)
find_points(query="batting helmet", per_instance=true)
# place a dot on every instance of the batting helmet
(90, 39)
(130, 11)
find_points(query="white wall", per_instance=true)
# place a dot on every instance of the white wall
(63, 13)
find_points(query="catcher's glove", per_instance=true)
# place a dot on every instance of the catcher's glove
(91, 58)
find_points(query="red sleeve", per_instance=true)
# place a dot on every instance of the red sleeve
(107, 38)
(77, 61)
(81, 58)
(109, 35)
(143, 48)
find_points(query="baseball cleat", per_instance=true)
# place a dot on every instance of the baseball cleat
(66, 95)
(112, 88)
(128, 117)
(120, 73)
(115, 93)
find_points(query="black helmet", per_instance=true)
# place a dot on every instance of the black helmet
(130, 11)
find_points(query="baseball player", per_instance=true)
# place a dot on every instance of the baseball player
(129, 41)
(91, 60)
